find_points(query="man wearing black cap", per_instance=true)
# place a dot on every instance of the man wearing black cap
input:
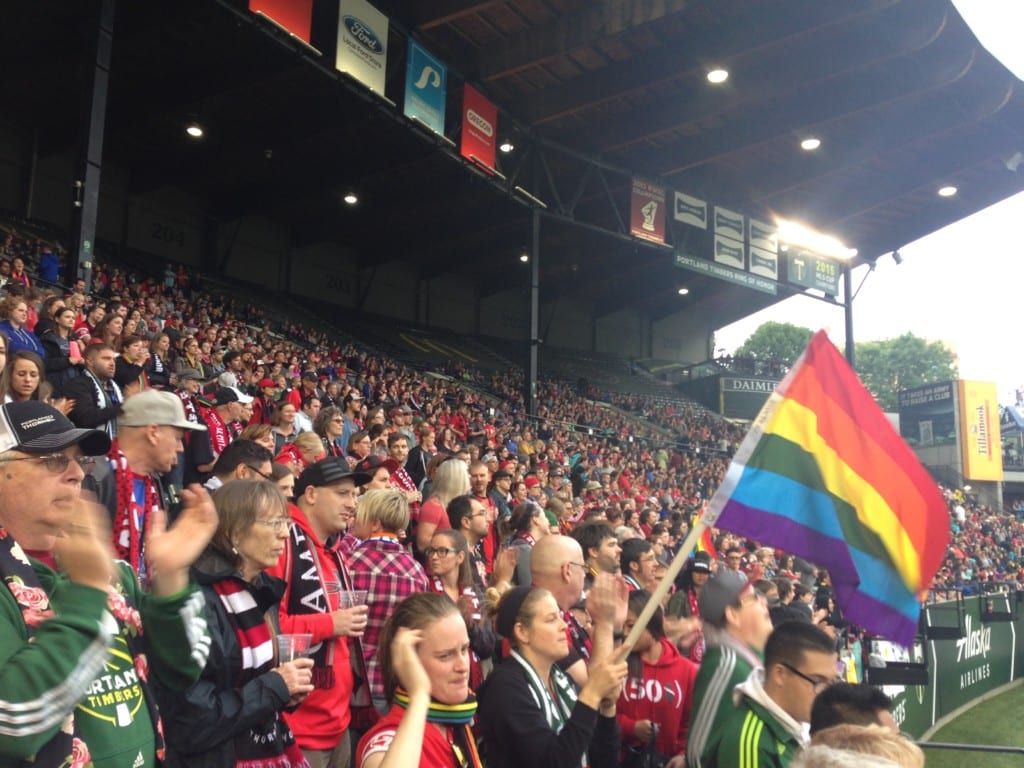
(60, 610)
(316, 574)
(204, 449)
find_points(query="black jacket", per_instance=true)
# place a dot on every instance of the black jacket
(516, 734)
(86, 413)
(202, 726)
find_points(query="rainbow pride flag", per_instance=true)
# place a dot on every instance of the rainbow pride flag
(823, 475)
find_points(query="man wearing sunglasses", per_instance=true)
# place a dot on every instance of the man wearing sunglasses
(79, 640)
(768, 726)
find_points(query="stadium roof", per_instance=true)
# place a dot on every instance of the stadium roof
(901, 95)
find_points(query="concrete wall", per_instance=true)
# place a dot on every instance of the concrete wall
(571, 324)
(505, 315)
(254, 247)
(325, 271)
(622, 333)
(392, 290)
(672, 338)
(451, 303)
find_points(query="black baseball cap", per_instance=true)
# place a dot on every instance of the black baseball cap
(328, 471)
(32, 426)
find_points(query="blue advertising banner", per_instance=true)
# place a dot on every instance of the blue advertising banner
(426, 80)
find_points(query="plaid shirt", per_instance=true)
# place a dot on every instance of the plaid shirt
(384, 568)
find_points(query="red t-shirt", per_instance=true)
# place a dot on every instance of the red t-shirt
(433, 512)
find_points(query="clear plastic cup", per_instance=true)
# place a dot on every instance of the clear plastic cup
(291, 647)
(352, 598)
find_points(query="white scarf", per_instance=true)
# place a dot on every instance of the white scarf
(102, 400)
(556, 710)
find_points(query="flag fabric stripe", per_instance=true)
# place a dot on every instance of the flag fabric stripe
(798, 424)
(822, 474)
(787, 459)
(870, 448)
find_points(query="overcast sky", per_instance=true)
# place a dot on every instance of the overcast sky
(961, 285)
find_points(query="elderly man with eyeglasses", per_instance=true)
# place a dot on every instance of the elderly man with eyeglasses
(80, 641)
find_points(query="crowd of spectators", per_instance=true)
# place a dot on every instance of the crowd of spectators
(450, 464)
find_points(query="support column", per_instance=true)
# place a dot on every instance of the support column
(848, 311)
(530, 395)
(90, 160)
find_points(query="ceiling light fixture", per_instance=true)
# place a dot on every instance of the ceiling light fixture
(194, 130)
(683, 291)
(350, 198)
(524, 257)
(948, 191)
(718, 76)
(810, 144)
(506, 146)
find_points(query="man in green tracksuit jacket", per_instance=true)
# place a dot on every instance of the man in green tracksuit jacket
(773, 706)
(736, 626)
(79, 639)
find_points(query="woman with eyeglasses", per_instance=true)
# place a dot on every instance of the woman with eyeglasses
(451, 574)
(329, 426)
(232, 716)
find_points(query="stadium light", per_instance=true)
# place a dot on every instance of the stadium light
(795, 233)
(195, 130)
(350, 198)
(810, 144)
(947, 191)
(718, 76)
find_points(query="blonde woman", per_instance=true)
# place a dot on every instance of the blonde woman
(450, 480)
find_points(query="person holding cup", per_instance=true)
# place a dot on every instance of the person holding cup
(319, 602)
(233, 714)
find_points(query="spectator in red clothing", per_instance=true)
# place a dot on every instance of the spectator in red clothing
(382, 566)
(325, 504)
(658, 694)
(451, 479)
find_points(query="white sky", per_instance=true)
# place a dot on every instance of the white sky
(963, 285)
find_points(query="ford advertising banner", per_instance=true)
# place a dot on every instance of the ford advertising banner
(426, 83)
(479, 127)
(362, 43)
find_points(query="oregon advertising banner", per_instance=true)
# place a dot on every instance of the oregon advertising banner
(426, 83)
(362, 43)
(647, 211)
(294, 15)
(979, 431)
(479, 126)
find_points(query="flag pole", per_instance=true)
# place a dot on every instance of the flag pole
(670, 576)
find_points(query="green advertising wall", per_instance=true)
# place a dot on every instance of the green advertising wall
(971, 648)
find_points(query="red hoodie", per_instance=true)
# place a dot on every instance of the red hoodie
(323, 717)
(664, 696)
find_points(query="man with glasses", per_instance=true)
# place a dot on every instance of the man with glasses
(241, 460)
(767, 727)
(79, 640)
(316, 574)
(470, 517)
(736, 627)
(150, 431)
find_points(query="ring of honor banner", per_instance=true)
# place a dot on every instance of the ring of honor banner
(362, 43)
(294, 15)
(764, 249)
(426, 83)
(730, 236)
(647, 211)
(979, 431)
(479, 127)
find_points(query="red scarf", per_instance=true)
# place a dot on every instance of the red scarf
(220, 435)
(697, 649)
(132, 519)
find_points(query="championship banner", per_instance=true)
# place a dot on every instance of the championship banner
(979, 431)
(479, 127)
(426, 83)
(294, 15)
(362, 43)
(690, 210)
(647, 211)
